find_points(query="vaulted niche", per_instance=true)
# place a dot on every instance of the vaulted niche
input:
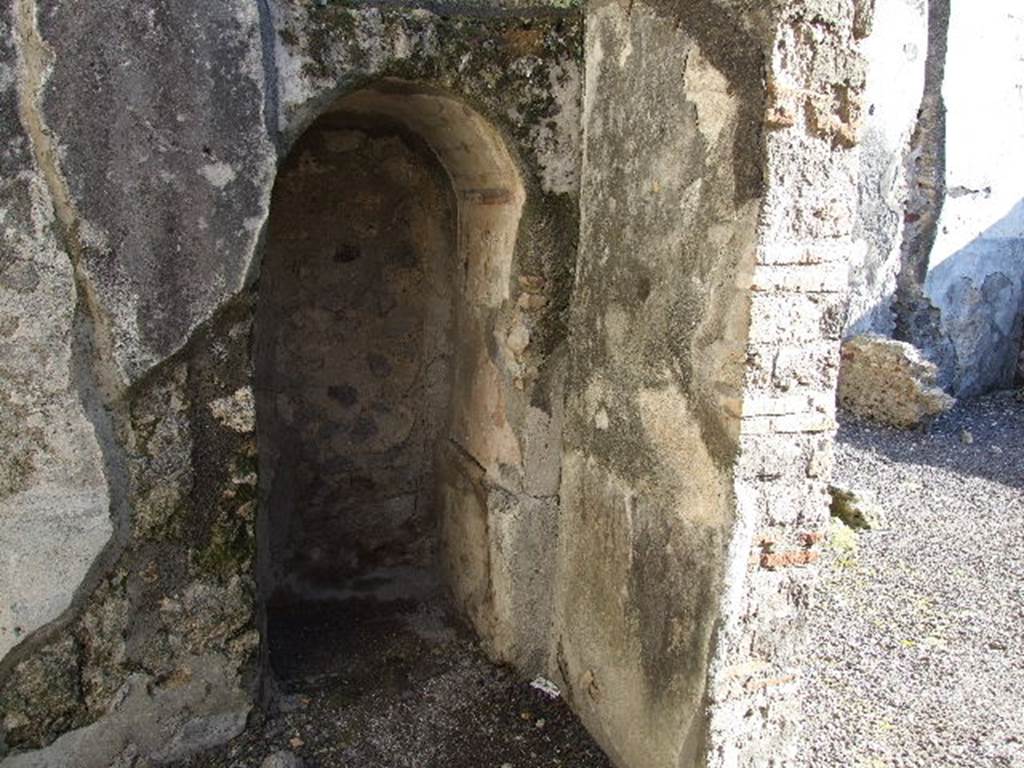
(389, 250)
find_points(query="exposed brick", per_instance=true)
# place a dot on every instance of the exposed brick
(794, 558)
(811, 278)
(815, 252)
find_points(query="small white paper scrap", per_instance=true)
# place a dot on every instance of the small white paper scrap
(546, 687)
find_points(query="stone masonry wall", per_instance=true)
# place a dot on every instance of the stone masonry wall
(523, 72)
(162, 650)
(786, 419)
(140, 144)
(752, 404)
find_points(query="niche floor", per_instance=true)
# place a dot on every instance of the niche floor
(373, 680)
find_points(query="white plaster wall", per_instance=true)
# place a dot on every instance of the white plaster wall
(977, 265)
(895, 54)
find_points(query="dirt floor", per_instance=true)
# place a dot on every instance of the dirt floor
(374, 680)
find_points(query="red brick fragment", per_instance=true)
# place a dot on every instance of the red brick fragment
(794, 558)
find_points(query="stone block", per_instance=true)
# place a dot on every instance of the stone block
(889, 382)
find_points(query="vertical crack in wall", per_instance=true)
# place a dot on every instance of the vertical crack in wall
(94, 375)
(271, 122)
(270, 75)
(917, 321)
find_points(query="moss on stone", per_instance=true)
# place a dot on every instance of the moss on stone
(230, 549)
(843, 541)
(42, 698)
(231, 545)
(855, 509)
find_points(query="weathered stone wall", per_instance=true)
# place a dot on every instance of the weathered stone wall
(170, 175)
(718, 226)
(895, 53)
(137, 497)
(653, 554)
(960, 274)
(916, 318)
(517, 239)
(975, 273)
(805, 243)
(670, 198)
(54, 517)
(136, 198)
(161, 650)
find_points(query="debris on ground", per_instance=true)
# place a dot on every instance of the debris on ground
(546, 687)
(856, 508)
(282, 759)
(385, 683)
(889, 382)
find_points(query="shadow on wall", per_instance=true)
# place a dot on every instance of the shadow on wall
(968, 316)
(979, 293)
(392, 368)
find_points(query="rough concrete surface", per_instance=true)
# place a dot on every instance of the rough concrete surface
(915, 656)
(54, 502)
(169, 173)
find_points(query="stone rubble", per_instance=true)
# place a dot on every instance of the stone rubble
(856, 508)
(889, 382)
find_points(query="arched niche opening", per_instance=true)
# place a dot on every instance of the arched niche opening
(380, 405)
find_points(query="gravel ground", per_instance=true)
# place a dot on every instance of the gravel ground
(916, 651)
(372, 682)
(917, 655)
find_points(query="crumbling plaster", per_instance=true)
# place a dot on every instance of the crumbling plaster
(976, 266)
(895, 53)
(942, 213)
(168, 205)
(646, 497)
(671, 532)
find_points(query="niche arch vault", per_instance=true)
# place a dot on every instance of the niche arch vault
(411, 391)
